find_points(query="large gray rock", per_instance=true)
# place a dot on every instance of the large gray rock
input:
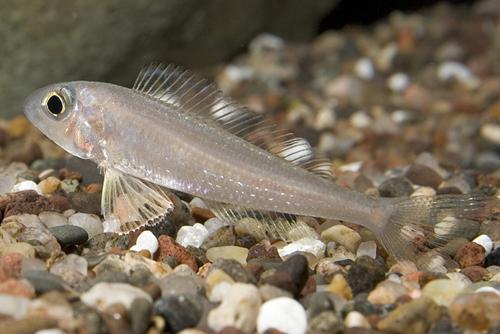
(47, 41)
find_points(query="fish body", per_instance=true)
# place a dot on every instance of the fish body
(174, 131)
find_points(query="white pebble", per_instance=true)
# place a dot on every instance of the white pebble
(398, 82)
(484, 241)
(360, 119)
(239, 309)
(14, 306)
(51, 331)
(284, 314)
(364, 69)
(351, 167)
(356, 319)
(104, 294)
(146, 240)
(197, 202)
(368, 248)
(266, 41)
(491, 132)
(453, 69)
(401, 116)
(213, 224)
(325, 118)
(424, 191)
(307, 245)
(90, 223)
(239, 73)
(487, 289)
(192, 235)
(27, 185)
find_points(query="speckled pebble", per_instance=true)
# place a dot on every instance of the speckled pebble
(179, 311)
(364, 275)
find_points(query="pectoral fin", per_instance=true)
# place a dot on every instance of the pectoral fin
(129, 202)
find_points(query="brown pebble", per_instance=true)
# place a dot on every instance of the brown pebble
(94, 188)
(309, 287)
(255, 268)
(424, 176)
(116, 318)
(29, 202)
(448, 191)
(153, 290)
(28, 325)
(70, 175)
(30, 152)
(230, 330)
(259, 251)
(201, 215)
(60, 203)
(476, 310)
(281, 280)
(145, 253)
(470, 255)
(474, 273)
(488, 179)
(168, 247)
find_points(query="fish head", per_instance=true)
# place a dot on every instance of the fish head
(67, 114)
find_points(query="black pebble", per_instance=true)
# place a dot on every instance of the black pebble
(298, 269)
(69, 235)
(179, 311)
(395, 187)
(493, 259)
(364, 275)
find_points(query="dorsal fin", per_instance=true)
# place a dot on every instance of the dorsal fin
(180, 88)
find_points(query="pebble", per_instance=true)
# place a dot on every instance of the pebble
(181, 285)
(6, 184)
(443, 291)
(415, 317)
(48, 185)
(326, 322)
(239, 309)
(493, 259)
(484, 241)
(139, 310)
(228, 252)
(356, 319)
(22, 248)
(69, 235)
(395, 187)
(44, 281)
(27, 185)
(398, 82)
(452, 69)
(342, 235)
(179, 311)
(476, 311)
(89, 222)
(364, 275)
(52, 219)
(364, 69)
(474, 273)
(224, 236)
(29, 202)
(339, 286)
(472, 254)
(147, 241)
(304, 245)
(283, 314)
(85, 202)
(367, 248)
(217, 284)
(424, 176)
(213, 224)
(192, 235)
(104, 294)
(387, 292)
(168, 247)
(234, 269)
(14, 306)
(491, 132)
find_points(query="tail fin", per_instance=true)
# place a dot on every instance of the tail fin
(437, 218)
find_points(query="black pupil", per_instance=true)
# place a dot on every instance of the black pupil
(55, 105)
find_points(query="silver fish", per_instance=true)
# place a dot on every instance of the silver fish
(175, 131)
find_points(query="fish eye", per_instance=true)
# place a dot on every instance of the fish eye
(55, 103)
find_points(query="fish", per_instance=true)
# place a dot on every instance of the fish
(172, 130)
